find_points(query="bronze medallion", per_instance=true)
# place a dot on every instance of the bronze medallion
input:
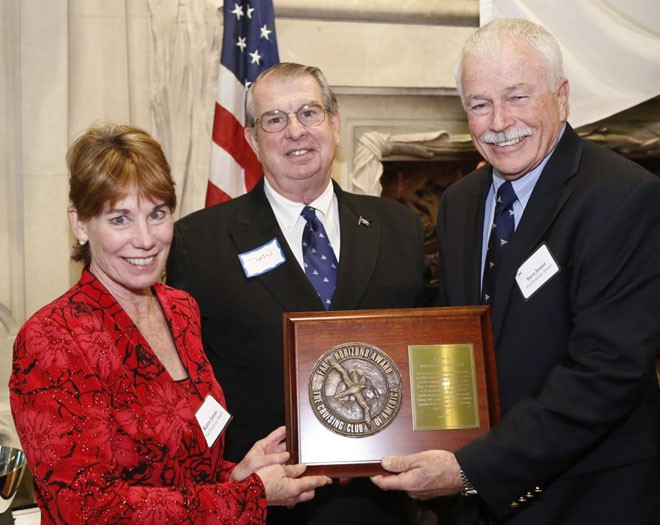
(355, 390)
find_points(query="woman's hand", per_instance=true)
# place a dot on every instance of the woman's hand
(270, 450)
(283, 483)
(284, 486)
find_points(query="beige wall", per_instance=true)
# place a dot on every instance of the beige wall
(33, 103)
(66, 64)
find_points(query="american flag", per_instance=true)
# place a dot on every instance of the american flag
(249, 46)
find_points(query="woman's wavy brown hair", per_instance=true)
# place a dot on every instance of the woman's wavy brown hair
(108, 162)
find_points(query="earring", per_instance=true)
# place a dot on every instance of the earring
(82, 242)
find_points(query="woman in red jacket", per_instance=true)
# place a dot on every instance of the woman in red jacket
(115, 403)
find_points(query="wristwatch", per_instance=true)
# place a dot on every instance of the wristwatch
(468, 488)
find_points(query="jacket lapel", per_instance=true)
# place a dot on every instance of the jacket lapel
(256, 225)
(474, 213)
(359, 251)
(548, 198)
(200, 374)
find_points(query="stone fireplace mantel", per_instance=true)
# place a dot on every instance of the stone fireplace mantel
(418, 126)
(409, 145)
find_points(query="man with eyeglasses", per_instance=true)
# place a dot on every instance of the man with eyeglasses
(245, 262)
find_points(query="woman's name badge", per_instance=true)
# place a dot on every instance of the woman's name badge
(262, 259)
(213, 419)
(537, 270)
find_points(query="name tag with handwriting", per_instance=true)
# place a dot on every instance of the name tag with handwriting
(262, 259)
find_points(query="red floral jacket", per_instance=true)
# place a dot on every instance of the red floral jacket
(109, 436)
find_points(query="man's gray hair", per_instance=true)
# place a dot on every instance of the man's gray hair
(485, 42)
(288, 70)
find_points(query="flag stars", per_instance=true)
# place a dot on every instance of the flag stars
(250, 9)
(238, 11)
(241, 43)
(256, 57)
(265, 32)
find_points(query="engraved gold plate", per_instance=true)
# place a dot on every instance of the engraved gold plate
(444, 387)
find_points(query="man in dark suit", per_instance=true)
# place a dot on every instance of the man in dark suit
(243, 262)
(575, 301)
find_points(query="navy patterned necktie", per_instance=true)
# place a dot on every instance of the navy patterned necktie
(318, 257)
(500, 235)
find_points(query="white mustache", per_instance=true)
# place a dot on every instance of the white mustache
(513, 134)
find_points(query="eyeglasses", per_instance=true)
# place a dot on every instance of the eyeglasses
(308, 115)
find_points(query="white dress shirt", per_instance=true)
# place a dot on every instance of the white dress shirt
(292, 223)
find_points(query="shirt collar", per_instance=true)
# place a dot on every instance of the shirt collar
(524, 185)
(288, 211)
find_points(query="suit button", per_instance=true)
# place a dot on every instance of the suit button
(522, 499)
(514, 505)
(529, 495)
(538, 490)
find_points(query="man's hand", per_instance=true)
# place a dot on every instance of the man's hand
(423, 476)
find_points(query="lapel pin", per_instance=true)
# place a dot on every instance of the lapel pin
(363, 222)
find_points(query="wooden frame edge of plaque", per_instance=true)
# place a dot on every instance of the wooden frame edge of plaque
(314, 342)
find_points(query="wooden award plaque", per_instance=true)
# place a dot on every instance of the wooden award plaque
(361, 385)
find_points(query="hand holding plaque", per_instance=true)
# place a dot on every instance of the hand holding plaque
(362, 385)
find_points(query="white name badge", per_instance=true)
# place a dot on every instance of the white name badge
(537, 270)
(213, 419)
(262, 259)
